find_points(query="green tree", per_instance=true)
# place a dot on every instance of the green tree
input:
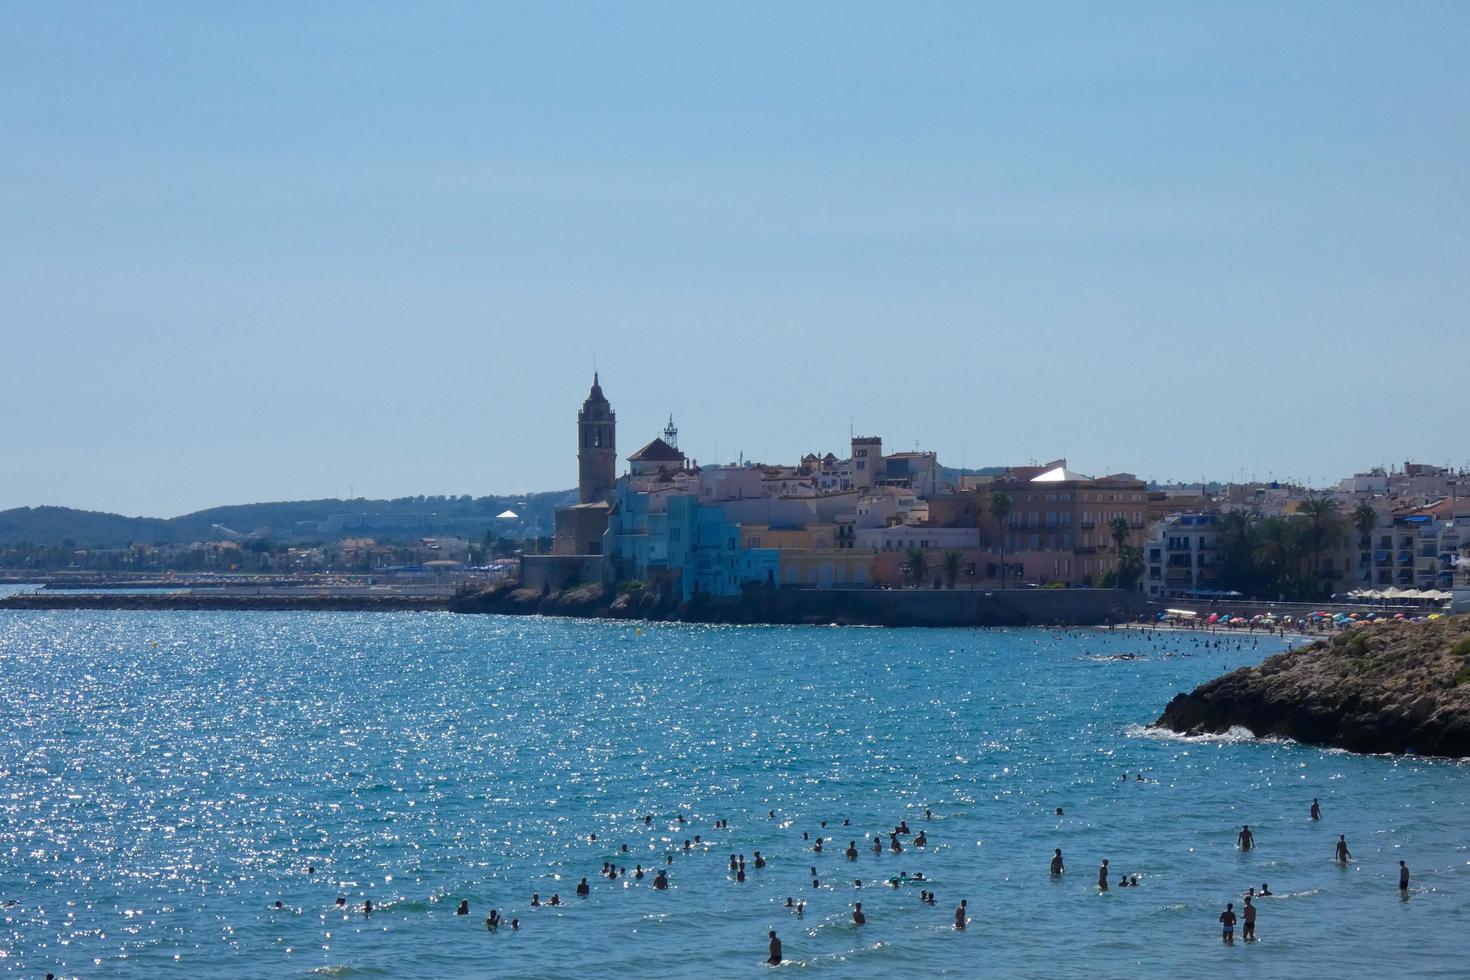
(1236, 538)
(1365, 519)
(1130, 566)
(1000, 509)
(1323, 522)
(917, 566)
(1118, 531)
(1277, 550)
(951, 563)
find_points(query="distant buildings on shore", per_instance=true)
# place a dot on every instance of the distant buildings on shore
(871, 519)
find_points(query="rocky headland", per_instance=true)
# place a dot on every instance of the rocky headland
(1386, 688)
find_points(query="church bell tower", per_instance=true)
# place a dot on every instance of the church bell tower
(597, 453)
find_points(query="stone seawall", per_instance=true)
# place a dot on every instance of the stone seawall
(849, 607)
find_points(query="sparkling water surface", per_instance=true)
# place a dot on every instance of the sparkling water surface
(165, 778)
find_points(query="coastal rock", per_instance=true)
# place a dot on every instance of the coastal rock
(1391, 687)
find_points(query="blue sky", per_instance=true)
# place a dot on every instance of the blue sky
(277, 251)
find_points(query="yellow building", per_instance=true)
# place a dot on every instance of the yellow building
(809, 556)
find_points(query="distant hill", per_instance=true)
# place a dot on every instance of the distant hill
(951, 474)
(402, 518)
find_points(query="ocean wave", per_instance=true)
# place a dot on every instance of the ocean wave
(1234, 735)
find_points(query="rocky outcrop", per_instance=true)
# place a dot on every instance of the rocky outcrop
(1391, 687)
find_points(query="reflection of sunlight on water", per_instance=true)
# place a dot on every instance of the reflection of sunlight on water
(419, 759)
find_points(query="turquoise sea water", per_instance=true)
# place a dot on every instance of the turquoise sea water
(165, 778)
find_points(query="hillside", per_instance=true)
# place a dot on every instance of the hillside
(328, 519)
(1392, 687)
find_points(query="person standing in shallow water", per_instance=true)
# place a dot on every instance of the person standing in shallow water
(1245, 840)
(1403, 878)
(1342, 854)
(959, 913)
(1102, 876)
(1227, 923)
(1249, 914)
(858, 918)
(1057, 868)
(775, 958)
(1316, 809)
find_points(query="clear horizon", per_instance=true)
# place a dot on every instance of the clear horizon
(281, 253)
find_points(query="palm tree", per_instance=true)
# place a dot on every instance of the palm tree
(1365, 519)
(951, 565)
(1237, 529)
(1000, 509)
(1322, 514)
(1278, 551)
(917, 565)
(1118, 531)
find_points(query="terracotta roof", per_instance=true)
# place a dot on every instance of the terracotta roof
(657, 451)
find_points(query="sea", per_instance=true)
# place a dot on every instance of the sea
(167, 778)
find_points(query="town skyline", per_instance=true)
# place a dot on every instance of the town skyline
(269, 253)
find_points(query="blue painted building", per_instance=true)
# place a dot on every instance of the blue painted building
(672, 541)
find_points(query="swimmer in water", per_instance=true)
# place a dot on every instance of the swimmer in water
(857, 915)
(1245, 840)
(555, 899)
(515, 925)
(535, 900)
(877, 846)
(1102, 876)
(367, 907)
(1059, 811)
(1134, 882)
(1316, 809)
(959, 913)
(760, 862)
(1057, 867)
(661, 880)
(278, 901)
(1264, 890)
(638, 872)
(852, 850)
(584, 889)
(464, 907)
(341, 901)
(775, 958)
(921, 840)
(790, 904)
(492, 921)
